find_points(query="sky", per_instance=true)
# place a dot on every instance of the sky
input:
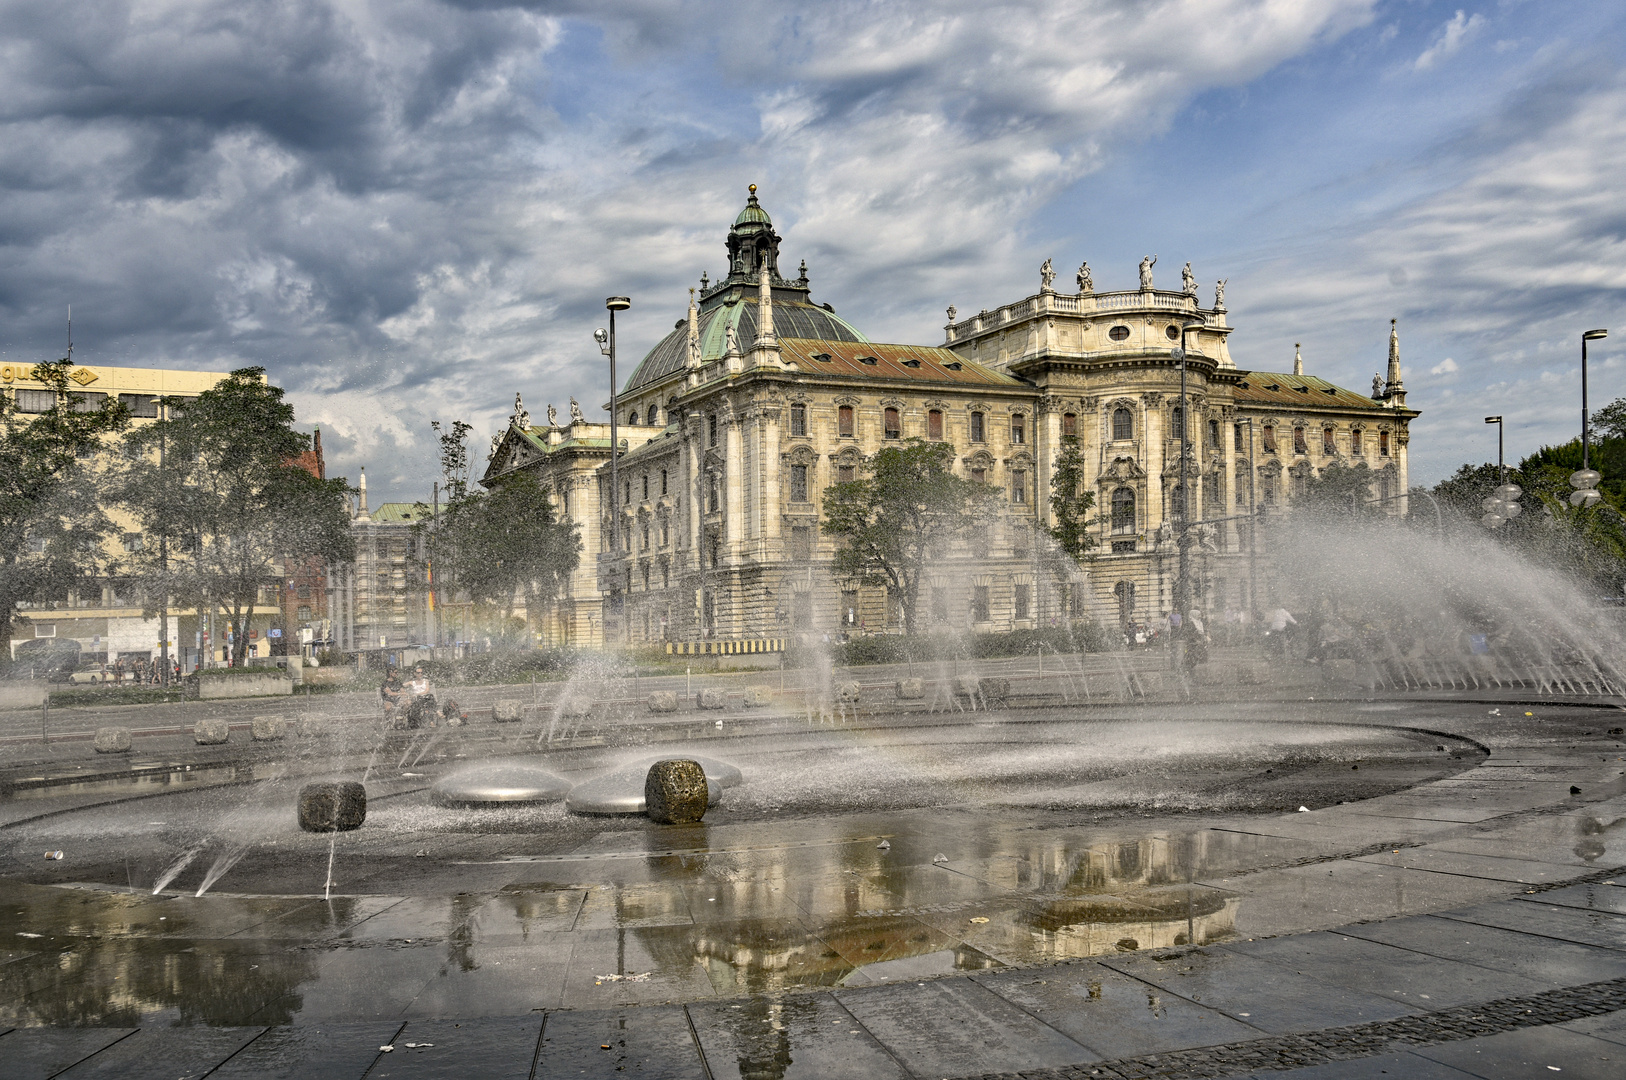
(409, 210)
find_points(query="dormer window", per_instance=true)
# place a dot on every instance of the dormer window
(911, 363)
(822, 357)
(867, 361)
(953, 365)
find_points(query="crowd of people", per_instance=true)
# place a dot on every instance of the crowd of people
(139, 671)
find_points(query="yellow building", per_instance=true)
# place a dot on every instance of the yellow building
(107, 621)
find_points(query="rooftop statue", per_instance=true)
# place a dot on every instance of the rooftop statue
(553, 415)
(1219, 294)
(732, 339)
(521, 418)
(1047, 276)
(1146, 265)
(1377, 386)
(952, 311)
(1188, 281)
(1086, 283)
(576, 416)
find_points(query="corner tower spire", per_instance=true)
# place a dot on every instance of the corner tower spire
(752, 243)
(1394, 390)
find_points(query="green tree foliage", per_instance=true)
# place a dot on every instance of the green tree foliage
(1071, 503)
(1464, 489)
(500, 546)
(52, 526)
(1609, 422)
(222, 505)
(1340, 491)
(904, 515)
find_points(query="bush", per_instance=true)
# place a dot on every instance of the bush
(82, 696)
(1083, 636)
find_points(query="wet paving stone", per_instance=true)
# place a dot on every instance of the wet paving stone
(1556, 963)
(800, 1037)
(36, 1053)
(654, 1043)
(310, 1052)
(1405, 1066)
(491, 1048)
(1591, 897)
(164, 1053)
(958, 1028)
(1532, 1052)
(1602, 928)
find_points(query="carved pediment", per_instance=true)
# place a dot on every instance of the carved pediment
(800, 454)
(1122, 470)
(980, 459)
(848, 455)
(1271, 468)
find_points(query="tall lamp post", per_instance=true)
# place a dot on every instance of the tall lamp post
(606, 344)
(1585, 480)
(1502, 504)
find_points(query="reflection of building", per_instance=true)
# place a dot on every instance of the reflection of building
(106, 619)
(380, 600)
(760, 398)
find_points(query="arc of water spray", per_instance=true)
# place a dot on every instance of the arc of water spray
(173, 870)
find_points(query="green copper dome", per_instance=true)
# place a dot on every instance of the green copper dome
(753, 214)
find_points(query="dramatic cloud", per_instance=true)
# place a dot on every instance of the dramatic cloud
(409, 210)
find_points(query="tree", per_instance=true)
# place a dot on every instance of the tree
(223, 504)
(52, 524)
(896, 522)
(1071, 503)
(454, 457)
(1464, 489)
(505, 544)
(1339, 491)
(1610, 421)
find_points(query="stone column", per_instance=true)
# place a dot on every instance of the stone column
(734, 490)
(768, 440)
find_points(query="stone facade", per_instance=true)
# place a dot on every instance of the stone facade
(759, 399)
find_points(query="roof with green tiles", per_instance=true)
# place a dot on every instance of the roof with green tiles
(1299, 391)
(397, 513)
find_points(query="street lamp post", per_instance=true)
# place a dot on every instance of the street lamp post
(1585, 480)
(1501, 505)
(606, 343)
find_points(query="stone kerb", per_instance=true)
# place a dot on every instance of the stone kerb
(113, 740)
(269, 683)
(211, 732)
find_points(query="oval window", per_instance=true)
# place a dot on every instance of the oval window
(1118, 333)
(1173, 332)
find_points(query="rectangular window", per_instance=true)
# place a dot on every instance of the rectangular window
(1019, 487)
(846, 474)
(979, 603)
(1123, 547)
(1267, 436)
(45, 629)
(1236, 440)
(1267, 489)
(646, 486)
(304, 614)
(844, 422)
(1299, 445)
(1213, 434)
(1355, 447)
(980, 475)
(644, 533)
(894, 424)
(976, 427)
(939, 604)
(801, 543)
(1383, 444)
(1069, 426)
(1328, 445)
(798, 483)
(86, 400)
(1018, 429)
(934, 425)
(711, 422)
(663, 481)
(1020, 600)
(144, 406)
(132, 542)
(1075, 599)
(303, 592)
(666, 533)
(798, 421)
(849, 607)
(35, 401)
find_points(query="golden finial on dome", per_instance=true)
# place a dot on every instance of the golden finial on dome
(753, 189)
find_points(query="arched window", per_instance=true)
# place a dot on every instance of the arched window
(1177, 503)
(633, 419)
(1328, 445)
(1299, 445)
(1383, 444)
(976, 427)
(894, 424)
(1123, 424)
(1069, 426)
(1123, 510)
(1019, 429)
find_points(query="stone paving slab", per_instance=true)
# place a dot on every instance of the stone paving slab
(955, 1027)
(1496, 868)
(1264, 995)
(1532, 1052)
(1402, 1066)
(164, 1053)
(1556, 963)
(654, 1043)
(40, 1052)
(310, 1052)
(800, 1037)
(1593, 896)
(1601, 928)
(1111, 1014)
(1611, 1027)
(491, 1048)
(1323, 897)
(1418, 980)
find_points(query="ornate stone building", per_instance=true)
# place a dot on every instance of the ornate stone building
(760, 398)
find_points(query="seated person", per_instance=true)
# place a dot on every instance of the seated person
(390, 692)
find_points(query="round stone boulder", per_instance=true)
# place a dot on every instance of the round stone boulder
(621, 790)
(267, 728)
(710, 698)
(757, 697)
(113, 740)
(675, 792)
(848, 691)
(211, 732)
(911, 689)
(332, 806)
(663, 701)
(574, 707)
(996, 691)
(311, 727)
(507, 711)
